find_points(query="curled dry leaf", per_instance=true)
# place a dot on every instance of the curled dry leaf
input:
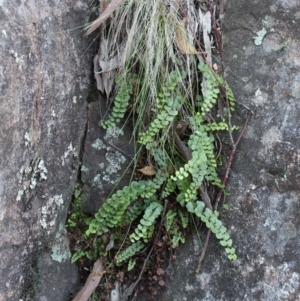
(104, 15)
(148, 170)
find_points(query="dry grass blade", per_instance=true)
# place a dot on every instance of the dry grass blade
(92, 282)
(182, 42)
(105, 14)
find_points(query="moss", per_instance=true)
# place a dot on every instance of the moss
(275, 170)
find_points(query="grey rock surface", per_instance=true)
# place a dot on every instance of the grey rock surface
(263, 215)
(45, 68)
(107, 155)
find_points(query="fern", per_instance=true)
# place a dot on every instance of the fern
(79, 254)
(184, 218)
(214, 224)
(131, 264)
(129, 252)
(170, 216)
(121, 102)
(111, 213)
(210, 88)
(167, 106)
(177, 238)
(146, 226)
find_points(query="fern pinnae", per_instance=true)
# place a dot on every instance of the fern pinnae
(129, 252)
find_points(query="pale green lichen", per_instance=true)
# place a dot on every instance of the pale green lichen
(84, 169)
(60, 248)
(113, 133)
(98, 144)
(115, 161)
(96, 180)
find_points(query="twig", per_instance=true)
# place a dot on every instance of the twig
(203, 252)
(230, 159)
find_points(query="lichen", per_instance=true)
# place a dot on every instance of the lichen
(98, 144)
(71, 151)
(39, 173)
(49, 212)
(60, 248)
(96, 180)
(115, 160)
(84, 169)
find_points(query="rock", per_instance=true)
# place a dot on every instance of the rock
(264, 183)
(44, 80)
(107, 155)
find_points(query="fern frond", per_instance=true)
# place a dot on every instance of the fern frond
(130, 251)
(111, 213)
(145, 228)
(121, 102)
(214, 224)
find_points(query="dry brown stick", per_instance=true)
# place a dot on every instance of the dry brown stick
(229, 162)
(92, 282)
(203, 252)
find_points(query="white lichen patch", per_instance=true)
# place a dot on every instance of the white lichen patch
(115, 161)
(96, 180)
(39, 173)
(113, 133)
(19, 59)
(27, 139)
(20, 194)
(280, 283)
(270, 137)
(98, 144)
(260, 97)
(49, 212)
(71, 151)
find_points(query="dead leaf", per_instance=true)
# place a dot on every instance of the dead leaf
(148, 171)
(104, 15)
(183, 44)
(92, 282)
